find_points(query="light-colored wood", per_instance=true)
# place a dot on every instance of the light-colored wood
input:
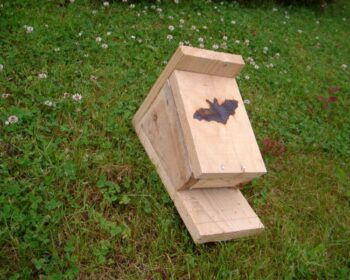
(209, 214)
(219, 214)
(233, 181)
(216, 150)
(161, 126)
(210, 62)
(193, 60)
(187, 154)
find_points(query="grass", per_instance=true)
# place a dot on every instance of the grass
(79, 197)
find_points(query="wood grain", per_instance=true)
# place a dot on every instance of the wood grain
(193, 60)
(216, 150)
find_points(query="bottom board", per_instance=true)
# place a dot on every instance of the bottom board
(209, 214)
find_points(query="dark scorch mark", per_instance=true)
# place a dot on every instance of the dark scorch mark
(217, 112)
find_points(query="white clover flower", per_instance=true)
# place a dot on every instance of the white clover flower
(1, 67)
(106, 3)
(246, 101)
(233, 22)
(49, 103)
(300, 31)
(344, 19)
(171, 27)
(246, 77)
(139, 40)
(77, 97)
(193, 27)
(265, 49)
(277, 55)
(42, 75)
(201, 45)
(104, 46)
(66, 95)
(224, 38)
(98, 39)
(170, 17)
(133, 37)
(159, 10)
(317, 22)
(72, 1)
(5, 95)
(274, 9)
(200, 40)
(246, 42)
(132, 6)
(181, 43)
(176, 1)
(28, 28)
(109, 33)
(256, 66)
(169, 37)
(182, 21)
(344, 67)
(12, 119)
(205, 27)
(86, 55)
(56, 49)
(94, 12)
(284, 22)
(199, 14)
(215, 46)
(237, 42)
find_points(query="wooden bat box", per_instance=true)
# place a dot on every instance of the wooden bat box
(196, 131)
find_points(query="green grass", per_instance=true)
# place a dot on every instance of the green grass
(79, 197)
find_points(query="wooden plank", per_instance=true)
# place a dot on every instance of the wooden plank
(210, 62)
(219, 214)
(194, 60)
(216, 150)
(161, 126)
(209, 214)
(223, 182)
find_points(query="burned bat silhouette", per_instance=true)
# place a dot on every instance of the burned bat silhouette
(216, 112)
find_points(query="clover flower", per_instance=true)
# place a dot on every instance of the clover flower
(77, 97)
(12, 119)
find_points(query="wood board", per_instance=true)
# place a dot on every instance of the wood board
(209, 214)
(193, 60)
(216, 150)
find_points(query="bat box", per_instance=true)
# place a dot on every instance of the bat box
(196, 131)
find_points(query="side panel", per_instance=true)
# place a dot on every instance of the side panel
(162, 128)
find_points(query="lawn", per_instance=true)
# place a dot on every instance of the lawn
(79, 197)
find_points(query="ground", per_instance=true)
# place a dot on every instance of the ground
(79, 197)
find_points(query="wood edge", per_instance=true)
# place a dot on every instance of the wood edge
(157, 86)
(194, 161)
(212, 55)
(228, 236)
